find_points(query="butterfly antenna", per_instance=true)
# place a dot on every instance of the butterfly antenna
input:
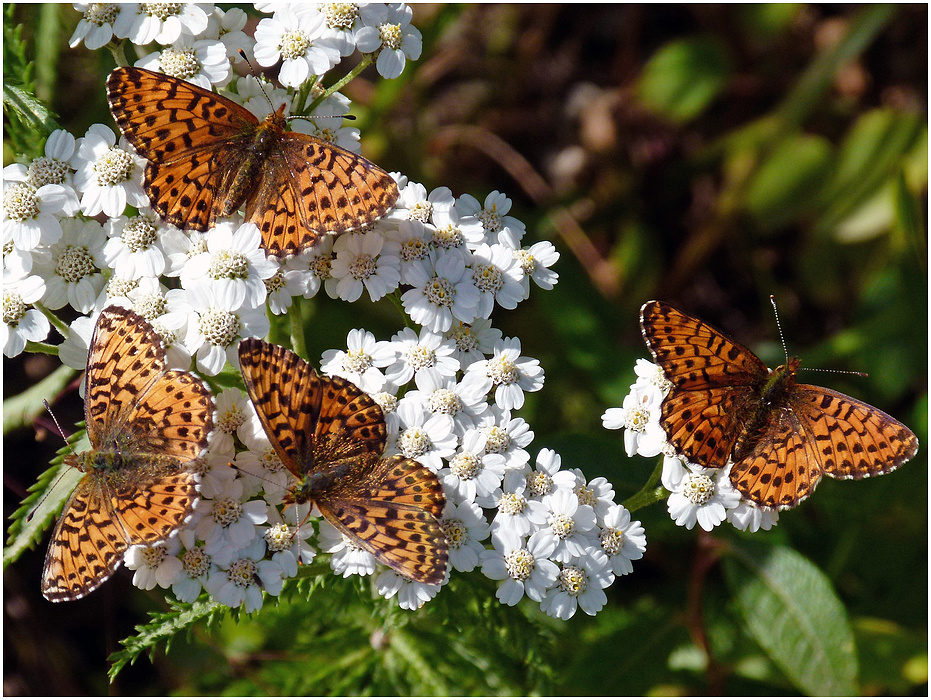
(782, 338)
(64, 437)
(772, 300)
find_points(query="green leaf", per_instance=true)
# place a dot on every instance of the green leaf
(683, 77)
(163, 627)
(792, 611)
(45, 500)
(787, 179)
(24, 408)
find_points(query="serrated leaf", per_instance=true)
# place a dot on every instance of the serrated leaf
(163, 627)
(792, 611)
(45, 500)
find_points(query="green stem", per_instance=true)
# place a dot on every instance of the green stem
(342, 82)
(45, 348)
(650, 493)
(60, 325)
(395, 298)
(298, 341)
(119, 54)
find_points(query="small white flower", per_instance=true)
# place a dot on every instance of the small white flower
(318, 261)
(215, 326)
(72, 267)
(441, 294)
(133, 249)
(243, 580)
(31, 215)
(227, 524)
(180, 247)
(473, 341)
(465, 528)
(283, 287)
(517, 511)
(360, 363)
(196, 567)
(411, 594)
(452, 232)
(155, 565)
(261, 469)
(227, 26)
(365, 260)
(597, 493)
(498, 226)
(163, 23)
(423, 354)
(427, 440)
(414, 204)
(413, 246)
(234, 415)
(749, 517)
(580, 584)
(288, 543)
(464, 404)
(702, 496)
(622, 540)
(507, 436)
(95, 27)
(108, 176)
(297, 41)
(73, 350)
(347, 558)
(393, 38)
(547, 478)
(570, 526)
(22, 324)
(523, 568)
(535, 263)
(509, 374)
(203, 63)
(234, 263)
(472, 475)
(497, 278)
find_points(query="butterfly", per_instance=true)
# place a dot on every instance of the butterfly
(145, 423)
(330, 435)
(725, 405)
(208, 157)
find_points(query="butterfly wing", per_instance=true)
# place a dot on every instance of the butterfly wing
(310, 187)
(86, 547)
(716, 383)
(392, 510)
(124, 361)
(285, 392)
(819, 431)
(192, 139)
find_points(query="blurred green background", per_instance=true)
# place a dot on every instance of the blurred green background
(706, 155)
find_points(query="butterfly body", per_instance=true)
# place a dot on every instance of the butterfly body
(146, 424)
(780, 437)
(208, 157)
(330, 435)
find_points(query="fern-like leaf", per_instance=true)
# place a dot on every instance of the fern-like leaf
(163, 627)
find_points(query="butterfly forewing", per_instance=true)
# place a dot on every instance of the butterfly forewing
(393, 512)
(209, 157)
(725, 405)
(145, 425)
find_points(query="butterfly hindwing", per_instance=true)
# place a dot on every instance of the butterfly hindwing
(392, 511)
(86, 546)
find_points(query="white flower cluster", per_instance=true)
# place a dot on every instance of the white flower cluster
(697, 495)
(448, 390)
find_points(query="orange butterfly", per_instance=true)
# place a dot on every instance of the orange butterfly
(330, 435)
(725, 405)
(208, 157)
(145, 424)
